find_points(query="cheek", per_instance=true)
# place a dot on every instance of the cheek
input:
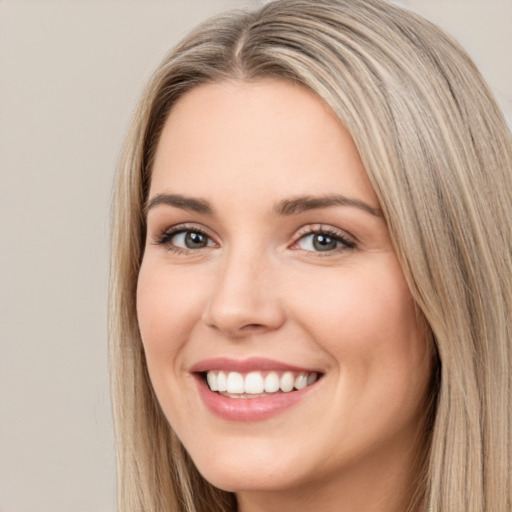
(168, 309)
(354, 305)
(380, 356)
(366, 320)
(168, 305)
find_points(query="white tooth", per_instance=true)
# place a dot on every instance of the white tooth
(271, 382)
(312, 378)
(212, 381)
(301, 381)
(254, 383)
(287, 381)
(235, 383)
(221, 382)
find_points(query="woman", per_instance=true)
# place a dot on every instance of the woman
(310, 300)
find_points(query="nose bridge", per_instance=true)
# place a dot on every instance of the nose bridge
(244, 299)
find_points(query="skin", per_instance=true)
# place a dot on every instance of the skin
(260, 288)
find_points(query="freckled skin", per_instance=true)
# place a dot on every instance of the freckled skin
(260, 288)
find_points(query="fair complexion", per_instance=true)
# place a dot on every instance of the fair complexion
(266, 252)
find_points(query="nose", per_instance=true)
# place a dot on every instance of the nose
(245, 300)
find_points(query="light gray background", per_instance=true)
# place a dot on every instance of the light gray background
(70, 73)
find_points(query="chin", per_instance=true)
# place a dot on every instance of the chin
(245, 481)
(249, 472)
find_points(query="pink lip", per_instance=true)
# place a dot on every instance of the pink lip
(247, 409)
(245, 365)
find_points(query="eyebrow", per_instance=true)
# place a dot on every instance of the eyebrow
(178, 201)
(305, 203)
(283, 208)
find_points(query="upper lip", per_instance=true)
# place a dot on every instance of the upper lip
(246, 365)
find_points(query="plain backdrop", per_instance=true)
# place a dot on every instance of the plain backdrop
(70, 74)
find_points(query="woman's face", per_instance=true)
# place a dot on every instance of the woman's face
(268, 264)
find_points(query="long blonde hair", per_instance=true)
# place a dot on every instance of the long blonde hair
(439, 155)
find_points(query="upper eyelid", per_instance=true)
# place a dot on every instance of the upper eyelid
(186, 226)
(323, 228)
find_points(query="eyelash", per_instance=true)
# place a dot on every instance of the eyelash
(166, 236)
(346, 243)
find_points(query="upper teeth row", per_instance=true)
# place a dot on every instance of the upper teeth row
(255, 383)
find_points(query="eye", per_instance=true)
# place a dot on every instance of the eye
(182, 238)
(323, 240)
(190, 240)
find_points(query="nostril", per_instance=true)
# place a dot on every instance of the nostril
(252, 327)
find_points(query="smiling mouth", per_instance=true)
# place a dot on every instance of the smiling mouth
(257, 384)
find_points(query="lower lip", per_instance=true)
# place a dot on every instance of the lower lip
(249, 409)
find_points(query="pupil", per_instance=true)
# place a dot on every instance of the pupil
(324, 243)
(195, 240)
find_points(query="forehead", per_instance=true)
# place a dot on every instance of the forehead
(266, 135)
